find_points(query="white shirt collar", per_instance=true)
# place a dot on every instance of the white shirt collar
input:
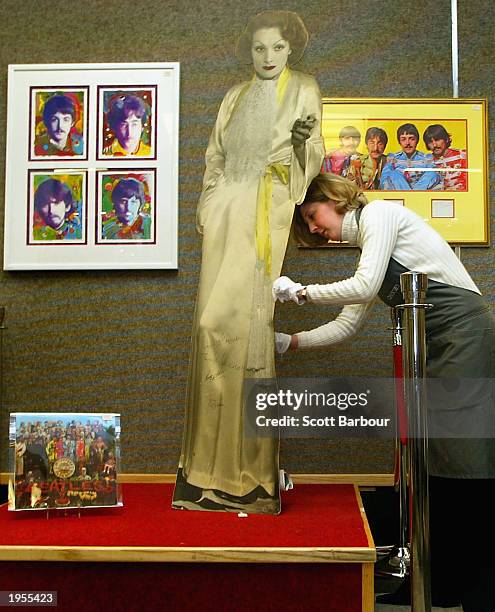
(350, 228)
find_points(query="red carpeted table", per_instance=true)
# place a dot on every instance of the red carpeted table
(318, 553)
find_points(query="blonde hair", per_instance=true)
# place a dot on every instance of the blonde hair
(324, 187)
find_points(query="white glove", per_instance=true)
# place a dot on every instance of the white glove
(282, 342)
(285, 289)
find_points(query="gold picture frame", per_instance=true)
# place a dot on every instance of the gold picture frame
(456, 173)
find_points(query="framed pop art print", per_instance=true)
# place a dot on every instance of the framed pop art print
(126, 204)
(126, 122)
(428, 155)
(92, 166)
(57, 207)
(58, 123)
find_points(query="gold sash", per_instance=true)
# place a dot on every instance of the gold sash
(263, 209)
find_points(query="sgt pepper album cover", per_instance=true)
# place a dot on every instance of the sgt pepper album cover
(64, 460)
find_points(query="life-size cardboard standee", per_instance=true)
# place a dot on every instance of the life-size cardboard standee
(264, 150)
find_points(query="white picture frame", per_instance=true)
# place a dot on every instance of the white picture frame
(40, 98)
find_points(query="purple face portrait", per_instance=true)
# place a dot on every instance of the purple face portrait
(126, 119)
(58, 116)
(128, 199)
(53, 201)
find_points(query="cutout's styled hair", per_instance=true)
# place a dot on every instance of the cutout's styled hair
(324, 187)
(291, 27)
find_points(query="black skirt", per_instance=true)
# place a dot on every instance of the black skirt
(462, 353)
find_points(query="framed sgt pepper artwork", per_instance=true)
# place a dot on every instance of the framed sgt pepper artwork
(92, 166)
(428, 155)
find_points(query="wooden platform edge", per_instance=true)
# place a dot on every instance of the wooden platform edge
(367, 569)
(362, 480)
(368, 587)
(364, 518)
(185, 554)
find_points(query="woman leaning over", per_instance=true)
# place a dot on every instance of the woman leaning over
(460, 339)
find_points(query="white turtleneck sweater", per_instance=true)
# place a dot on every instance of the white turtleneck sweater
(386, 230)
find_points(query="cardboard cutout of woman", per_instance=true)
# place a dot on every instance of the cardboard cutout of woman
(264, 150)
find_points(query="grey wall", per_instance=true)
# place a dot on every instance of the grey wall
(119, 340)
